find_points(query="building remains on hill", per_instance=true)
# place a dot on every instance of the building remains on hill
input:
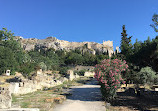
(52, 42)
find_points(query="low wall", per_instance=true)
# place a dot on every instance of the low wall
(88, 74)
(29, 86)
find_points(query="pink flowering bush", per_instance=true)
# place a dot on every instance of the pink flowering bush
(108, 73)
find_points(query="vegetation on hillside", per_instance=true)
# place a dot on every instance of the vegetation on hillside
(14, 58)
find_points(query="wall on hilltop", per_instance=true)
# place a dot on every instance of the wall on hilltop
(52, 42)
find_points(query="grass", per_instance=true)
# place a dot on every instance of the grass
(43, 99)
(25, 104)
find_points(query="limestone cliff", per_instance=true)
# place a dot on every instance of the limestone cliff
(52, 42)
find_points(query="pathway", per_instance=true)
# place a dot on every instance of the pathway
(83, 98)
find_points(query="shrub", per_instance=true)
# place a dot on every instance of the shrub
(43, 66)
(147, 75)
(108, 73)
(81, 72)
(63, 70)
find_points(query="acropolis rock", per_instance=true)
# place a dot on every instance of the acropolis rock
(52, 42)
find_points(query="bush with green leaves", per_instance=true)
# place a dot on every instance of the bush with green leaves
(63, 70)
(147, 75)
(81, 72)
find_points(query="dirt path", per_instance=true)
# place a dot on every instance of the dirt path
(83, 98)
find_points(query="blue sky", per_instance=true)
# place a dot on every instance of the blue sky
(79, 20)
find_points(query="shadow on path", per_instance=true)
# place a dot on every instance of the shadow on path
(136, 102)
(83, 98)
(87, 92)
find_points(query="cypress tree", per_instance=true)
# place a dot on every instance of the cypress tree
(126, 45)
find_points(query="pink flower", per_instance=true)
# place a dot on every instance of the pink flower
(124, 82)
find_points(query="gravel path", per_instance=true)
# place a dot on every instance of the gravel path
(83, 98)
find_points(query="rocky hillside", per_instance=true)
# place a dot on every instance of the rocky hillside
(52, 42)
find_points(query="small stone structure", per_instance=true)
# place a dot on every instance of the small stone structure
(8, 73)
(5, 98)
(117, 50)
(71, 75)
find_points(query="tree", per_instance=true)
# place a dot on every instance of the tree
(137, 46)
(7, 60)
(147, 75)
(10, 52)
(5, 34)
(126, 45)
(89, 59)
(74, 58)
(52, 60)
(155, 22)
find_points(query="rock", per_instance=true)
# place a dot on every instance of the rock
(49, 100)
(20, 109)
(59, 99)
(5, 98)
(108, 105)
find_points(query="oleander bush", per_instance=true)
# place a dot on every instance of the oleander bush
(108, 73)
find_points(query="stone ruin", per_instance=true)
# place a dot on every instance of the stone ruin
(71, 75)
(19, 85)
(8, 73)
(5, 98)
(52, 42)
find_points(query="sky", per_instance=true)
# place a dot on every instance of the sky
(79, 20)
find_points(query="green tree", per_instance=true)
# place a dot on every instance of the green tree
(126, 45)
(147, 75)
(74, 58)
(155, 22)
(89, 59)
(8, 60)
(137, 46)
(52, 60)
(11, 52)
(5, 34)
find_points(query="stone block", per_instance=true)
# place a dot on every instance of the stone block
(20, 109)
(5, 98)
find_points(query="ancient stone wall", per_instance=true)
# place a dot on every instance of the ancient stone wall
(89, 74)
(39, 82)
(5, 98)
(87, 68)
(108, 43)
(52, 42)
